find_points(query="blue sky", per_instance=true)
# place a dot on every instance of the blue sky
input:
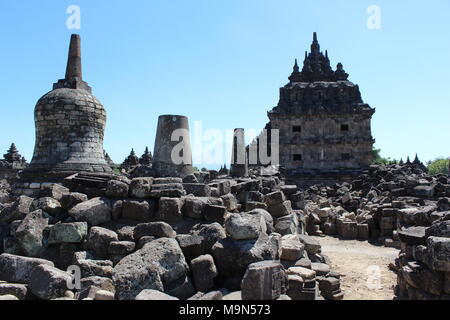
(222, 62)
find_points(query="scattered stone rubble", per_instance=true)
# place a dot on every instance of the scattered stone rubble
(162, 238)
(423, 266)
(377, 205)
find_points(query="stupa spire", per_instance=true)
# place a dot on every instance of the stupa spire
(74, 70)
(74, 74)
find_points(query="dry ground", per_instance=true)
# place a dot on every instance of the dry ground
(358, 262)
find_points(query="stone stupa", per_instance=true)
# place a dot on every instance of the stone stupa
(70, 124)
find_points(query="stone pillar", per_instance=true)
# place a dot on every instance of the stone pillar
(239, 164)
(172, 152)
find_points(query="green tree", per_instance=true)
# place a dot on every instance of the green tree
(378, 159)
(439, 165)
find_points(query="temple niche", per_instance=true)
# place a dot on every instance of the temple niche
(324, 125)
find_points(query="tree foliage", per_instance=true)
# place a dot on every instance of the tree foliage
(438, 166)
(378, 159)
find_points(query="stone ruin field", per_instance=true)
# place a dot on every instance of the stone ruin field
(72, 229)
(210, 237)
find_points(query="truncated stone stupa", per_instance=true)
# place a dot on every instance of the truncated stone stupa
(70, 124)
(325, 127)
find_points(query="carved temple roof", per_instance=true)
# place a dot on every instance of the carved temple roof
(318, 89)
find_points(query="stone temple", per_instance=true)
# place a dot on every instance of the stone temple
(70, 124)
(324, 125)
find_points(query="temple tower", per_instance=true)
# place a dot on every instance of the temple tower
(172, 152)
(324, 125)
(70, 124)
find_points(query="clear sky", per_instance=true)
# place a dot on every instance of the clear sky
(222, 62)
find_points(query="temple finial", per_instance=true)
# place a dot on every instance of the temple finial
(296, 67)
(73, 78)
(315, 46)
(73, 70)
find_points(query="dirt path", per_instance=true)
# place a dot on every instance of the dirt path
(361, 264)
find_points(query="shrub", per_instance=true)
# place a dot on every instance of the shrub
(438, 166)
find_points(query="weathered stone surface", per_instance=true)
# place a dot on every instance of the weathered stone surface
(191, 245)
(167, 189)
(17, 290)
(267, 217)
(363, 231)
(154, 229)
(229, 201)
(101, 283)
(440, 229)
(74, 232)
(116, 189)
(413, 235)
(312, 246)
(155, 266)
(281, 209)
(138, 210)
(287, 225)
(70, 200)
(170, 210)
(203, 271)
(295, 287)
(214, 213)
(150, 294)
(95, 211)
(211, 233)
(19, 209)
(289, 189)
(47, 282)
(347, 229)
(329, 287)
(422, 278)
(121, 247)
(233, 296)
(274, 198)
(244, 226)
(54, 190)
(424, 191)
(17, 269)
(305, 274)
(47, 204)
(95, 268)
(141, 188)
(197, 189)
(292, 249)
(99, 239)
(439, 250)
(29, 234)
(104, 295)
(264, 280)
(233, 257)
(8, 297)
(321, 269)
(143, 241)
(193, 207)
(183, 288)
